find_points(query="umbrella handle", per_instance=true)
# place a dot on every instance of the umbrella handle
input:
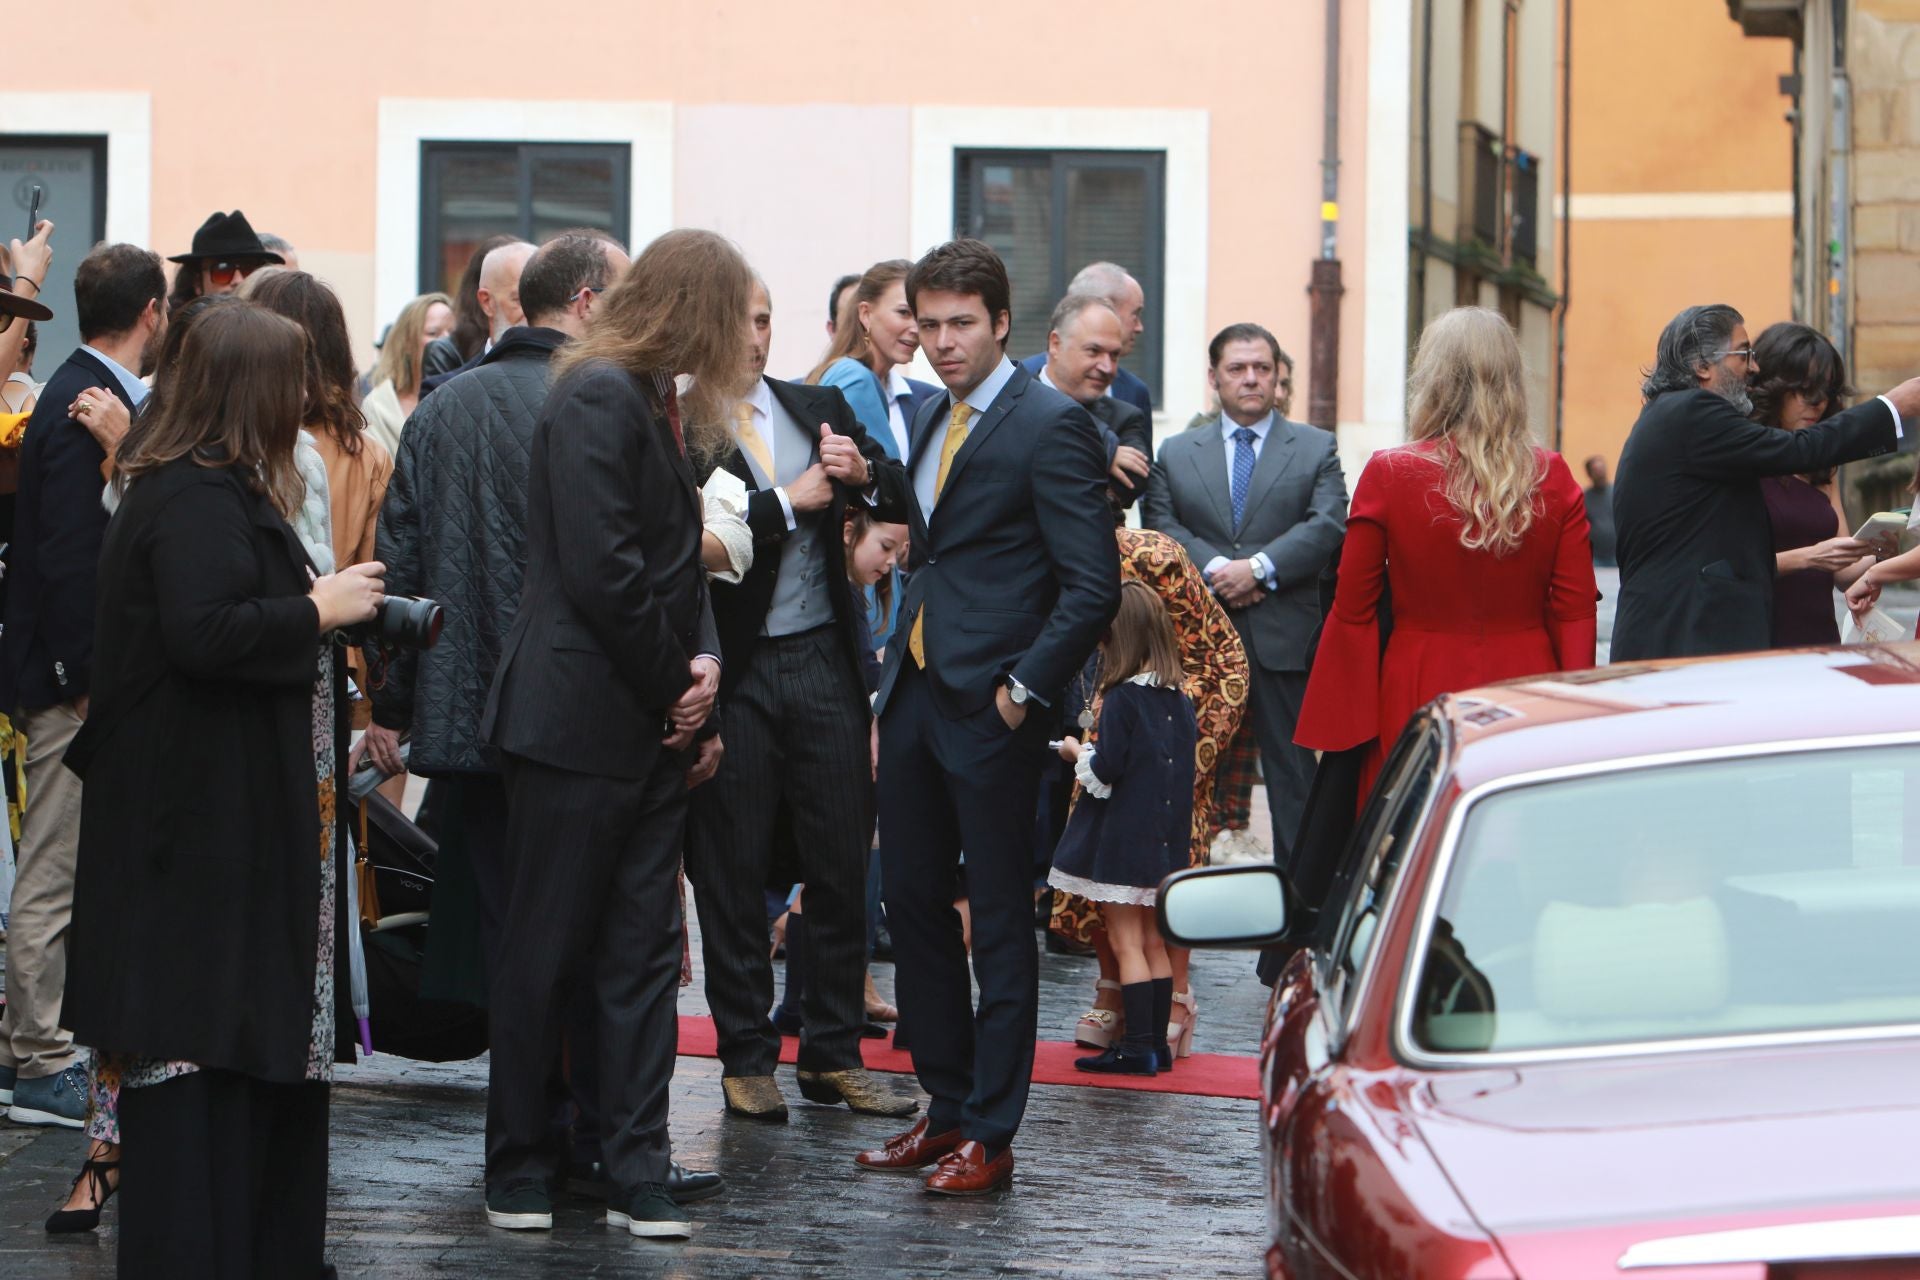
(366, 1036)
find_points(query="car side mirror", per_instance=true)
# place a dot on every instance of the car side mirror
(1239, 906)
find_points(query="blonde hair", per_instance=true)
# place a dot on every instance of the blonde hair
(1467, 391)
(399, 361)
(680, 309)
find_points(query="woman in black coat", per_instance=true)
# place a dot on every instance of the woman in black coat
(205, 922)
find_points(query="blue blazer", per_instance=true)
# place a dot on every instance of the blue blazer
(1126, 386)
(867, 397)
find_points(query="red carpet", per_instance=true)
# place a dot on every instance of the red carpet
(1206, 1075)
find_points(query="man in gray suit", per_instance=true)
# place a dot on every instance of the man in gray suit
(1260, 505)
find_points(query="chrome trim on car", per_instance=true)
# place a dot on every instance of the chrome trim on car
(1411, 1053)
(1849, 1240)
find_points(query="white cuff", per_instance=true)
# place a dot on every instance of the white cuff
(1089, 780)
(1899, 428)
(1213, 566)
(786, 506)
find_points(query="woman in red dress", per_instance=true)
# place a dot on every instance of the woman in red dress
(1481, 536)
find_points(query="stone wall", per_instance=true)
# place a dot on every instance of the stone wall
(1884, 63)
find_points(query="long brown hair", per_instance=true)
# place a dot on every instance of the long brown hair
(399, 361)
(859, 524)
(680, 309)
(849, 335)
(231, 396)
(1141, 639)
(1468, 391)
(333, 405)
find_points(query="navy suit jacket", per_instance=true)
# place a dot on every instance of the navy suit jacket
(1017, 570)
(46, 647)
(1126, 386)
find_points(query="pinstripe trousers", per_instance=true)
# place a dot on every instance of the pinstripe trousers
(796, 731)
(592, 861)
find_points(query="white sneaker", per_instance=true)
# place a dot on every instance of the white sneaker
(1231, 847)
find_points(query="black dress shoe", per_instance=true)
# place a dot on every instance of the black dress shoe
(686, 1186)
(874, 1030)
(1121, 1060)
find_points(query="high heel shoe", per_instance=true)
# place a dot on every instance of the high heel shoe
(73, 1221)
(1180, 1035)
(1098, 1028)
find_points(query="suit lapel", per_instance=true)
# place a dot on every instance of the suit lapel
(1209, 456)
(1278, 454)
(918, 429)
(1003, 404)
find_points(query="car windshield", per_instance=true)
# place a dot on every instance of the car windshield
(1770, 894)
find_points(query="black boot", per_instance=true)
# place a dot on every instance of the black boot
(1162, 1016)
(1133, 1055)
(786, 1018)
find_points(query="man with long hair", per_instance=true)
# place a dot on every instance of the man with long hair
(602, 714)
(1694, 541)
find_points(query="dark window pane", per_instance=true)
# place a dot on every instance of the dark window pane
(573, 191)
(1048, 214)
(71, 175)
(478, 196)
(1016, 218)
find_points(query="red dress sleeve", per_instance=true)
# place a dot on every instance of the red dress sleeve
(1342, 706)
(1572, 593)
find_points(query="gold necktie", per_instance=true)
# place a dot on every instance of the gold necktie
(751, 440)
(956, 436)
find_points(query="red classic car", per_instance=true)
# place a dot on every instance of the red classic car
(1619, 977)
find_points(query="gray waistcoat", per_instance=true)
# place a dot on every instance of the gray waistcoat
(800, 601)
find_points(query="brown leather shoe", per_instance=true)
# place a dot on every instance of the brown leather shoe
(968, 1171)
(860, 1089)
(756, 1097)
(914, 1149)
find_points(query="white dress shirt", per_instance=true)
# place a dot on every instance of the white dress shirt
(896, 389)
(761, 398)
(129, 380)
(1262, 567)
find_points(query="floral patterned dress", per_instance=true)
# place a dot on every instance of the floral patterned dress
(113, 1072)
(1216, 667)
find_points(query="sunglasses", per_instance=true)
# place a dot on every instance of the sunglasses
(222, 274)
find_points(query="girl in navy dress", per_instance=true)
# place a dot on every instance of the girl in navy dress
(1132, 825)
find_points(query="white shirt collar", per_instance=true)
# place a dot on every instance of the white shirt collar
(761, 398)
(1260, 429)
(898, 383)
(1147, 678)
(983, 396)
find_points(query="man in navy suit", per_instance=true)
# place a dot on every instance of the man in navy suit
(1123, 293)
(46, 657)
(1015, 578)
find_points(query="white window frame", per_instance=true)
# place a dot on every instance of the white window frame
(405, 123)
(126, 121)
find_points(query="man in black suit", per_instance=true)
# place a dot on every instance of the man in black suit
(794, 701)
(606, 680)
(1696, 554)
(1084, 342)
(1015, 577)
(46, 659)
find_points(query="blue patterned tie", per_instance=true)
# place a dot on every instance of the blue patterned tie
(1242, 471)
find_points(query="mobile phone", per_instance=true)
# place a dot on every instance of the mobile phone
(33, 210)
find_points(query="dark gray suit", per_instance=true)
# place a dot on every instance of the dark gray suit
(1296, 514)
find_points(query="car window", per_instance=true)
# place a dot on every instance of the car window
(1383, 836)
(1771, 894)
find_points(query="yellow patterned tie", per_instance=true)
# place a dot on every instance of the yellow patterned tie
(751, 440)
(956, 436)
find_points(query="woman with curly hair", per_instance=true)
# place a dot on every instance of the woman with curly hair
(1482, 536)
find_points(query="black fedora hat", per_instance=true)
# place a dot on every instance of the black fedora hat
(17, 304)
(226, 235)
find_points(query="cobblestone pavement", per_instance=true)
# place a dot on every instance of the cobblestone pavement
(1108, 1181)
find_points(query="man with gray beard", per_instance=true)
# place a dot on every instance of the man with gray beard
(1695, 548)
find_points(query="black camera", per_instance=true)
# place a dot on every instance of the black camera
(399, 622)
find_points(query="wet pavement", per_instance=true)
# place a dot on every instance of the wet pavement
(1108, 1182)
